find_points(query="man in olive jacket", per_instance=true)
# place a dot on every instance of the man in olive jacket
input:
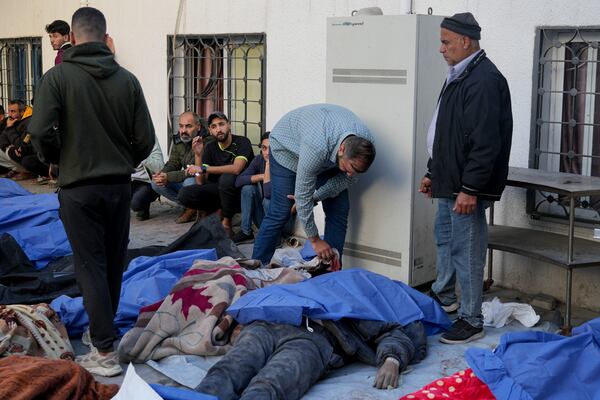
(173, 176)
(91, 118)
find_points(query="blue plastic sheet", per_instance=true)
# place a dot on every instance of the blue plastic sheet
(10, 188)
(538, 365)
(43, 243)
(33, 220)
(146, 281)
(27, 211)
(173, 393)
(354, 293)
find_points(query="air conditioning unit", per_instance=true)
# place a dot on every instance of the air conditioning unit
(388, 71)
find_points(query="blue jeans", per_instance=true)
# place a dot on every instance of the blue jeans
(461, 241)
(171, 189)
(288, 228)
(252, 208)
(283, 183)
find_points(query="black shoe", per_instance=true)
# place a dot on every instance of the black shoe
(241, 237)
(142, 215)
(462, 332)
(449, 308)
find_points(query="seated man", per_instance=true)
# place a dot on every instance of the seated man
(11, 138)
(277, 361)
(173, 176)
(216, 167)
(23, 153)
(141, 183)
(255, 183)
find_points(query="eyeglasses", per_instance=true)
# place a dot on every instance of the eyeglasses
(263, 147)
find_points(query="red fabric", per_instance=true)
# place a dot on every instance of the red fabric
(463, 385)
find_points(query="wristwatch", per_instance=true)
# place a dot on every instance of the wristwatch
(203, 169)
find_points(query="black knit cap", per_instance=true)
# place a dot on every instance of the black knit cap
(464, 24)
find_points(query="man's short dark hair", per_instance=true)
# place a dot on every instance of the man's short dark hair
(59, 26)
(357, 148)
(89, 23)
(20, 102)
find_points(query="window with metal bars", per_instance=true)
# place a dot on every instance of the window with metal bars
(20, 68)
(566, 123)
(219, 73)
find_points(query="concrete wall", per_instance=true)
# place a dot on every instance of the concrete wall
(295, 32)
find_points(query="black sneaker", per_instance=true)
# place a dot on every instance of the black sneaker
(462, 332)
(142, 215)
(241, 237)
(449, 308)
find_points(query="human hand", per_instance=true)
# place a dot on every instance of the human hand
(110, 43)
(192, 170)
(388, 374)
(293, 198)
(18, 152)
(465, 203)
(10, 122)
(160, 178)
(322, 249)
(198, 146)
(425, 187)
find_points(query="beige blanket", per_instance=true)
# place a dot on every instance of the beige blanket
(192, 319)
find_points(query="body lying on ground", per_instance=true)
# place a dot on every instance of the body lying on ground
(277, 361)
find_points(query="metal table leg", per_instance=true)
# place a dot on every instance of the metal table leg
(489, 281)
(566, 329)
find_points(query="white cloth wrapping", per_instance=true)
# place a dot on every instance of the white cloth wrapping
(498, 314)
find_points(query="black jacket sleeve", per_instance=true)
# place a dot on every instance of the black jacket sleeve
(43, 127)
(143, 136)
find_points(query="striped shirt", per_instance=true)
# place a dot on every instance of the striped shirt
(306, 140)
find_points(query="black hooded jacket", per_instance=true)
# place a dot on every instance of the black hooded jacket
(473, 134)
(91, 118)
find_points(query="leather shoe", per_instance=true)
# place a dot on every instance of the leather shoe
(189, 215)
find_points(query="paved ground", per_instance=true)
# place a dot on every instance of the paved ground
(161, 229)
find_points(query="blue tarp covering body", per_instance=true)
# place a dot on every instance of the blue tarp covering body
(173, 393)
(538, 365)
(354, 293)
(33, 220)
(146, 281)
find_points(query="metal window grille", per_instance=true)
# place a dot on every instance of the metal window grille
(566, 123)
(218, 73)
(20, 68)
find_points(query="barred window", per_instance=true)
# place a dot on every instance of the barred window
(567, 115)
(20, 68)
(219, 73)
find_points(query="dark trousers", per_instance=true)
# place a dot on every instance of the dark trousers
(96, 220)
(34, 165)
(142, 195)
(269, 361)
(211, 196)
(30, 162)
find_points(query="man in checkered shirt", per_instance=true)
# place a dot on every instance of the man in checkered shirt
(316, 153)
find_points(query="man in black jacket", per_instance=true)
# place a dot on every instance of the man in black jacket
(91, 118)
(469, 146)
